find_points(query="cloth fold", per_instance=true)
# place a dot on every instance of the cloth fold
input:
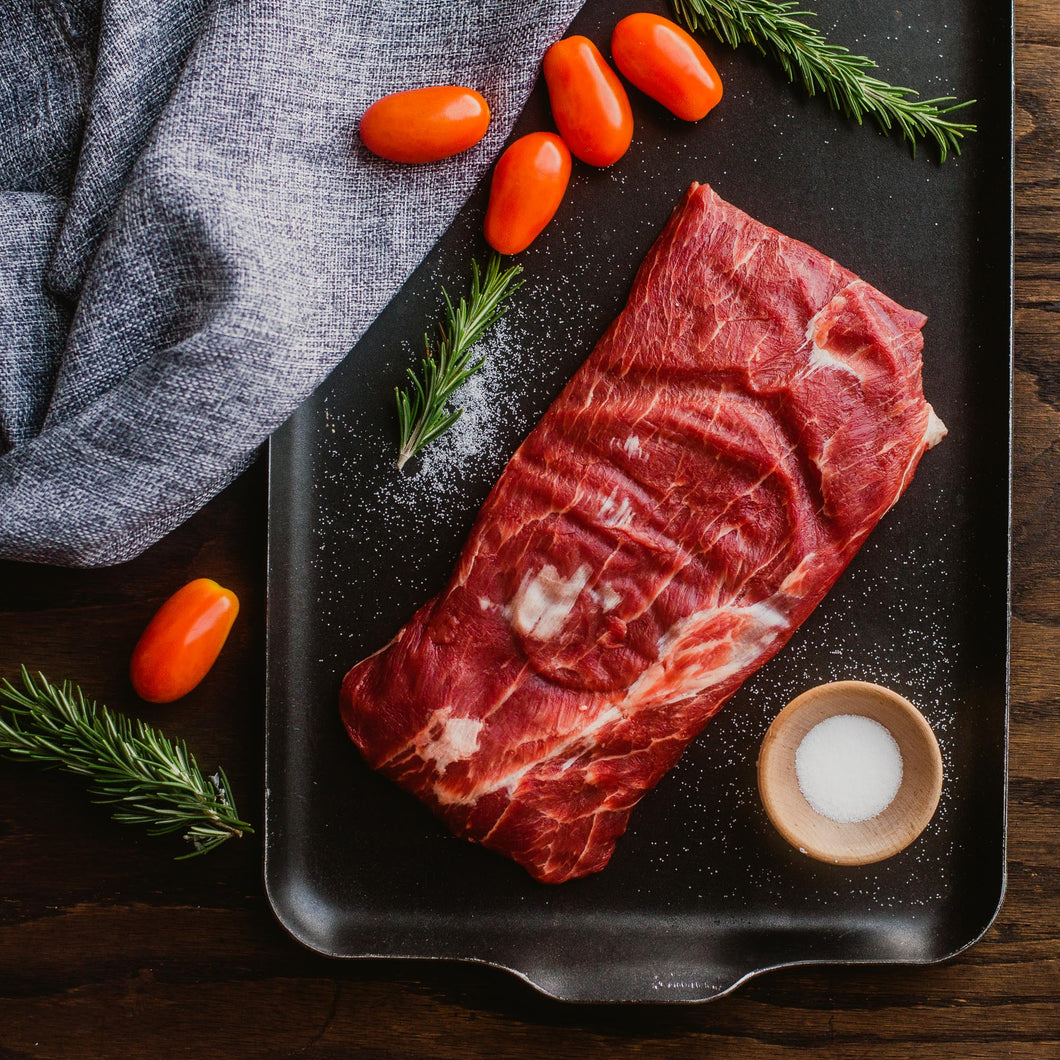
(192, 236)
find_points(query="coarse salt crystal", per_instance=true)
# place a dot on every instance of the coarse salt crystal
(849, 768)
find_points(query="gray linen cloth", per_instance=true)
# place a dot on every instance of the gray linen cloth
(192, 236)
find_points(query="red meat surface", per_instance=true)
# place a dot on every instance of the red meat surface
(680, 509)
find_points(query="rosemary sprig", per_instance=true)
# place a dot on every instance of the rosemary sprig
(421, 407)
(149, 779)
(775, 28)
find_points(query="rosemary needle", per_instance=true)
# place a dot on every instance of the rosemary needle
(775, 28)
(423, 415)
(149, 779)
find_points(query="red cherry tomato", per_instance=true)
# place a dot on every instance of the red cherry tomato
(425, 124)
(664, 62)
(527, 188)
(589, 104)
(182, 641)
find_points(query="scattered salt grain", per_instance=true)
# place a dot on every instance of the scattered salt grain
(849, 768)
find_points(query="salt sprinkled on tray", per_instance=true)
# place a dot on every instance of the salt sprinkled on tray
(849, 768)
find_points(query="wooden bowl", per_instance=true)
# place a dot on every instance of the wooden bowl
(860, 842)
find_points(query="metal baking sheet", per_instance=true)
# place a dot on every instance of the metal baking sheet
(701, 892)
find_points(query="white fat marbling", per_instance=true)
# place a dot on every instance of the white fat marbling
(820, 356)
(688, 666)
(792, 584)
(545, 600)
(572, 747)
(615, 513)
(457, 742)
(936, 430)
(605, 597)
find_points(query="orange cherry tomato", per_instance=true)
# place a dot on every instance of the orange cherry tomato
(664, 62)
(589, 104)
(182, 641)
(527, 188)
(425, 124)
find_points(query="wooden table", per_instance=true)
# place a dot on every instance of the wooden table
(108, 948)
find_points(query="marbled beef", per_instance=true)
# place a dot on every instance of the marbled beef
(681, 508)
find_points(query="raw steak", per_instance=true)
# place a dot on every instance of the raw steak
(686, 502)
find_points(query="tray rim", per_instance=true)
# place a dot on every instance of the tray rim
(725, 991)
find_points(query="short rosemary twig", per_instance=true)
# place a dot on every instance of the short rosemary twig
(775, 28)
(149, 779)
(422, 412)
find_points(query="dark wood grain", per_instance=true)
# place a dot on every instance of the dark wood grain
(108, 948)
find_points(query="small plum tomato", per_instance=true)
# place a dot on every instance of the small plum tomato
(425, 124)
(666, 63)
(182, 641)
(527, 188)
(589, 104)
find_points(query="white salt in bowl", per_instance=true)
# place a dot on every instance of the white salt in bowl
(853, 842)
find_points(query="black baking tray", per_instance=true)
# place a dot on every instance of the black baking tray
(701, 892)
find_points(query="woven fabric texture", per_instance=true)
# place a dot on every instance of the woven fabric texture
(192, 236)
